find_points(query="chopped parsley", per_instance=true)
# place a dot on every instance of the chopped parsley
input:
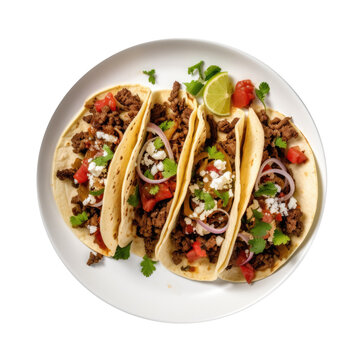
(148, 174)
(257, 245)
(224, 196)
(154, 189)
(97, 192)
(197, 67)
(103, 160)
(206, 197)
(214, 153)
(135, 197)
(151, 74)
(261, 228)
(268, 189)
(170, 168)
(211, 71)
(122, 252)
(280, 238)
(262, 91)
(147, 266)
(166, 125)
(193, 87)
(158, 143)
(78, 219)
(279, 142)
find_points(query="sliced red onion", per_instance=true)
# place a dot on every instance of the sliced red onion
(211, 228)
(98, 204)
(268, 162)
(289, 179)
(245, 238)
(156, 130)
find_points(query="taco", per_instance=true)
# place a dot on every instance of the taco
(90, 161)
(153, 179)
(279, 192)
(197, 240)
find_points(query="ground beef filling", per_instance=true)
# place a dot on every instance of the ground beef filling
(87, 144)
(150, 224)
(181, 241)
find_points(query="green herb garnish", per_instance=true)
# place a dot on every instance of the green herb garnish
(193, 87)
(103, 160)
(147, 266)
(97, 192)
(166, 125)
(224, 196)
(122, 252)
(268, 189)
(280, 238)
(258, 215)
(78, 219)
(214, 153)
(158, 143)
(154, 189)
(148, 174)
(197, 67)
(262, 91)
(257, 245)
(170, 168)
(206, 197)
(135, 197)
(151, 74)
(211, 71)
(279, 142)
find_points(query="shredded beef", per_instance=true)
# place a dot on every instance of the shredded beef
(158, 113)
(229, 144)
(128, 101)
(94, 259)
(80, 142)
(174, 92)
(292, 224)
(225, 126)
(66, 174)
(213, 128)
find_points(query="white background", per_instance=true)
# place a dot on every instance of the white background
(46, 47)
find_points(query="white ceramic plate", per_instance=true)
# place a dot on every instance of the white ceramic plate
(165, 296)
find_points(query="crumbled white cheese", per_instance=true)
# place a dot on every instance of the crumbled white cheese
(200, 208)
(150, 149)
(202, 173)
(106, 137)
(275, 206)
(89, 200)
(196, 200)
(231, 194)
(193, 187)
(214, 174)
(91, 179)
(159, 155)
(160, 166)
(221, 182)
(219, 164)
(187, 221)
(95, 169)
(92, 229)
(105, 181)
(146, 160)
(278, 188)
(205, 180)
(154, 170)
(200, 230)
(292, 204)
(219, 240)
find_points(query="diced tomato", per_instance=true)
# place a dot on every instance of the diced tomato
(267, 167)
(148, 201)
(247, 269)
(212, 168)
(81, 174)
(278, 217)
(108, 100)
(243, 94)
(99, 240)
(189, 229)
(267, 217)
(281, 195)
(196, 252)
(172, 185)
(295, 155)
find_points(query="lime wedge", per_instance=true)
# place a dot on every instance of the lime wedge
(217, 94)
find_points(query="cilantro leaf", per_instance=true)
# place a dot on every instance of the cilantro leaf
(148, 174)
(166, 125)
(268, 189)
(279, 142)
(135, 197)
(193, 87)
(154, 189)
(170, 168)
(122, 252)
(78, 219)
(103, 160)
(280, 238)
(97, 192)
(260, 229)
(158, 143)
(214, 154)
(197, 67)
(151, 74)
(147, 266)
(211, 71)
(258, 215)
(262, 91)
(224, 196)
(206, 197)
(257, 245)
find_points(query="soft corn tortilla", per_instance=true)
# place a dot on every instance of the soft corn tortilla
(306, 193)
(127, 230)
(64, 157)
(205, 271)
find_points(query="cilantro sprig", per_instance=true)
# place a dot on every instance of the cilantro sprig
(262, 91)
(78, 219)
(103, 160)
(193, 87)
(197, 67)
(147, 266)
(148, 174)
(214, 153)
(206, 197)
(97, 192)
(151, 74)
(158, 143)
(261, 228)
(257, 245)
(224, 196)
(211, 71)
(154, 189)
(280, 238)
(135, 197)
(279, 142)
(122, 252)
(166, 125)
(268, 189)
(170, 168)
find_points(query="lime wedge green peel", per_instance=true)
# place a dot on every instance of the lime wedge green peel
(217, 94)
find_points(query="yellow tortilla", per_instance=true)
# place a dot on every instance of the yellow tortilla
(127, 230)
(306, 193)
(64, 157)
(204, 270)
